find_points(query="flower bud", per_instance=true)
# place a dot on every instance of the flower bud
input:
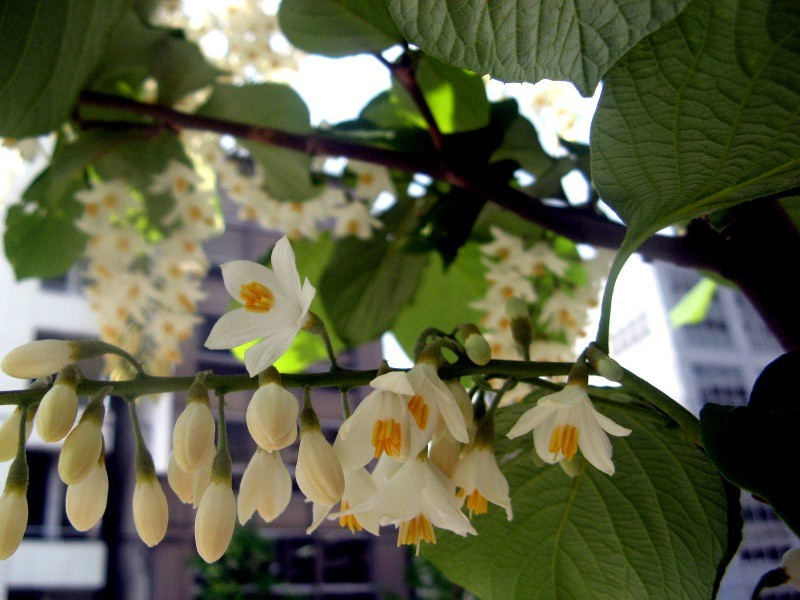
(318, 472)
(13, 519)
(604, 365)
(80, 452)
(216, 518)
(9, 433)
(476, 346)
(266, 487)
(150, 512)
(181, 482)
(202, 477)
(59, 407)
(86, 500)
(193, 435)
(518, 315)
(272, 417)
(39, 358)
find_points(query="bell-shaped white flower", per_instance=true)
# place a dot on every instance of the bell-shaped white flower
(150, 511)
(432, 400)
(9, 433)
(272, 417)
(266, 487)
(480, 480)
(215, 520)
(565, 422)
(358, 487)
(39, 359)
(193, 435)
(181, 482)
(58, 409)
(13, 520)
(275, 307)
(381, 424)
(318, 472)
(86, 500)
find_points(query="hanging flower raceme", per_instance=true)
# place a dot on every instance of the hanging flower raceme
(266, 487)
(272, 413)
(84, 444)
(566, 421)
(275, 307)
(193, 435)
(59, 406)
(478, 476)
(318, 473)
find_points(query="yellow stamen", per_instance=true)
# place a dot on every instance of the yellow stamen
(110, 201)
(565, 439)
(507, 292)
(181, 185)
(502, 254)
(476, 503)
(195, 213)
(349, 521)
(366, 178)
(415, 531)
(386, 437)
(538, 270)
(256, 297)
(92, 209)
(352, 227)
(420, 409)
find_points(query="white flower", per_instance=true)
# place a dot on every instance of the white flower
(480, 479)
(445, 452)
(57, 411)
(39, 359)
(215, 520)
(177, 178)
(382, 424)
(81, 451)
(318, 473)
(266, 487)
(86, 500)
(371, 180)
(565, 422)
(353, 219)
(193, 435)
(275, 307)
(13, 520)
(358, 487)
(432, 400)
(272, 417)
(150, 511)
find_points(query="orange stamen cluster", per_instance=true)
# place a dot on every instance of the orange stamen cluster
(386, 437)
(476, 503)
(420, 409)
(349, 521)
(256, 297)
(564, 438)
(415, 531)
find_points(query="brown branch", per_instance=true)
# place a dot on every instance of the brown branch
(579, 225)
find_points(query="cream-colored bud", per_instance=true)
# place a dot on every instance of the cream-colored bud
(478, 349)
(150, 512)
(9, 434)
(86, 500)
(266, 487)
(38, 359)
(181, 482)
(13, 520)
(193, 435)
(318, 473)
(272, 417)
(216, 518)
(202, 477)
(57, 412)
(444, 453)
(80, 452)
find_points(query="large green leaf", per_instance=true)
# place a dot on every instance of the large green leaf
(701, 115)
(50, 50)
(655, 529)
(521, 144)
(286, 173)
(529, 40)
(443, 297)
(338, 27)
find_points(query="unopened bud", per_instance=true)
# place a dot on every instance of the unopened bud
(604, 365)
(87, 499)
(193, 435)
(215, 520)
(45, 357)
(59, 406)
(478, 349)
(150, 511)
(9, 433)
(520, 319)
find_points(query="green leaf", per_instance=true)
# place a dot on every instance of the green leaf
(529, 40)
(693, 307)
(655, 529)
(50, 50)
(756, 449)
(367, 282)
(338, 27)
(701, 115)
(521, 144)
(138, 50)
(388, 111)
(457, 98)
(443, 296)
(42, 241)
(286, 173)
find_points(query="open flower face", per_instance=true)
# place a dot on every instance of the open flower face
(275, 307)
(566, 422)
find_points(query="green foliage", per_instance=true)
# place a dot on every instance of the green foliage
(530, 40)
(701, 115)
(693, 307)
(286, 173)
(521, 144)
(50, 51)
(338, 27)
(655, 529)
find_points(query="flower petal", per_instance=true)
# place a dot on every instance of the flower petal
(237, 273)
(594, 444)
(283, 262)
(234, 329)
(531, 418)
(394, 381)
(265, 353)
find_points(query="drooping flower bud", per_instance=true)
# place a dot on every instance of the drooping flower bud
(14, 507)
(477, 348)
(59, 406)
(150, 511)
(272, 413)
(318, 473)
(520, 319)
(604, 365)
(266, 487)
(83, 445)
(45, 357)
(216, 518)
(87, 499)
(193, 435)
(181, 482)
(9, 433)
